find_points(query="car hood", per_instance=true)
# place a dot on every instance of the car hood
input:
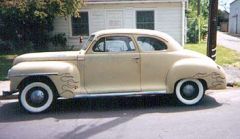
(47, 56)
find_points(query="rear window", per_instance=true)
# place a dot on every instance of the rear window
(151, 44)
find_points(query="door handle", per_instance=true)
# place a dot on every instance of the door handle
(136, 58)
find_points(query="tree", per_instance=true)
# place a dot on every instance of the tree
(29, 22)
(222, 16)
(196, 22)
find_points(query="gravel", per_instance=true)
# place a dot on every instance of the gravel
(233, 74)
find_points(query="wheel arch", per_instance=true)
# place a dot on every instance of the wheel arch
(204, 83)
(39, 78)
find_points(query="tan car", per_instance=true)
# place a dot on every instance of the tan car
(115, 62)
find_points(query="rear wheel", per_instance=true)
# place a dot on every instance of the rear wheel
(36, 97)
(189, 91)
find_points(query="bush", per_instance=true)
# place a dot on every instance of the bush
(192, 23)
(26, 24)
(59, 43)
(192, 32)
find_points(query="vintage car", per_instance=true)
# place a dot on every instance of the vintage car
(115, 62)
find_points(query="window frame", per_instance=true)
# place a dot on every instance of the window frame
(71, 27)
(155, 37)
(90, 50)
(146, 10)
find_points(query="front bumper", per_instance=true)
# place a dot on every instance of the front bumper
(8, 93)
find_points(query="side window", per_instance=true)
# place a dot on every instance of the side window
(151, 44)
(114, 44)
(99, 46)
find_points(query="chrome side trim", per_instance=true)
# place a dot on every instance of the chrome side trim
(34, 74)
(81, 58)
(126, 94)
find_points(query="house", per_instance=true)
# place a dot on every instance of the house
(163, 15)
(234, 17)
(223, 20)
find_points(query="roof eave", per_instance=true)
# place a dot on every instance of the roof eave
(130, 2)
(233, 2)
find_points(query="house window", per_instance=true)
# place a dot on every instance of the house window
(145, 20)
(80, 25)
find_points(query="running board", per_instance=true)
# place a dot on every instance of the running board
(124, 94)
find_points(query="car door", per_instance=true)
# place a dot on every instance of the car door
(112, 64)
(155, 62)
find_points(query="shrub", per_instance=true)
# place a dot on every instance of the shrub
(28, 23)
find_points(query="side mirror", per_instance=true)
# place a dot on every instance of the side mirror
(81, 39)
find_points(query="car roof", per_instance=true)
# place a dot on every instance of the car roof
(132, 31)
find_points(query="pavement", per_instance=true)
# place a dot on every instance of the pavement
(217, 116)
(231, 42)
(228, 41)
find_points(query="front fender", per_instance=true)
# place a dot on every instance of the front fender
(65, 75)
(194, 68)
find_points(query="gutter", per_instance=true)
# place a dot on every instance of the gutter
(134, 2)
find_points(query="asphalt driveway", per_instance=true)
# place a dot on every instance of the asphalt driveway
(228, 41)
(217, 116)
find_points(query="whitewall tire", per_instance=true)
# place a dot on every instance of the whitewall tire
(36, 97)
(189, 91)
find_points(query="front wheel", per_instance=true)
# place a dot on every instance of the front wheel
(36, 97)
(189, 91)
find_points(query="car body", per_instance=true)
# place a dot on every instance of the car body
(112, 62)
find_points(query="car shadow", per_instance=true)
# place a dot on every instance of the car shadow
(103, 107)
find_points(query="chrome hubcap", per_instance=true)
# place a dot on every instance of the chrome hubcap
(188, 90)
(37, 96)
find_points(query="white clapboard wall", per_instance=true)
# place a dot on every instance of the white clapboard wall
(168, 17)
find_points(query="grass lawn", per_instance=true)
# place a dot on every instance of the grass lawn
(5, 64)
(225, 56)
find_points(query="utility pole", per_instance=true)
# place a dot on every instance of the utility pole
(198, 18)
(212, 29)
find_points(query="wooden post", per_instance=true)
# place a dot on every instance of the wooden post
(212, 29)
(198, 18)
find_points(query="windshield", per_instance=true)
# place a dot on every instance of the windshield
(90, 39)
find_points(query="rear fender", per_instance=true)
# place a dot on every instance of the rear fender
(193, 68)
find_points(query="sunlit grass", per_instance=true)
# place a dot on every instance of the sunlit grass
(225, 56)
